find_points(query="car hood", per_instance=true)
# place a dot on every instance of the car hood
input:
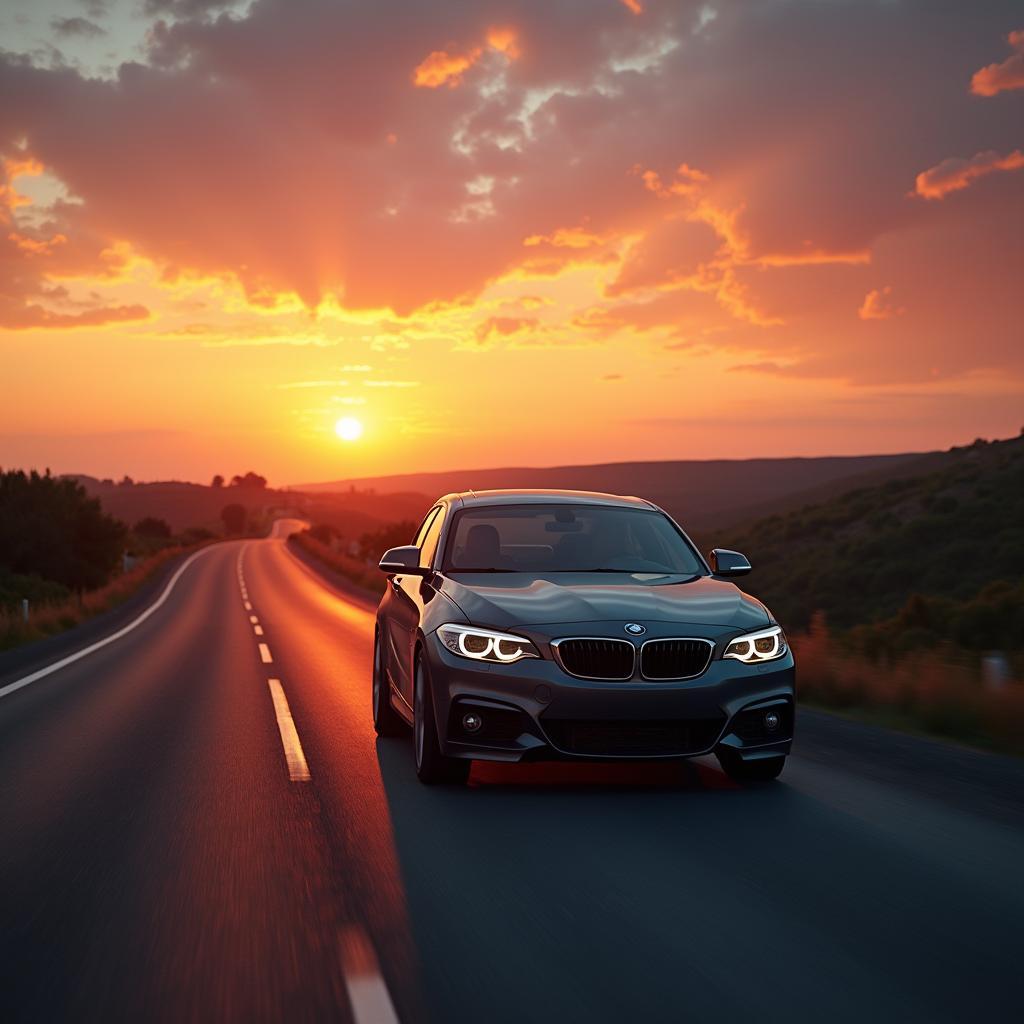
(521, 599)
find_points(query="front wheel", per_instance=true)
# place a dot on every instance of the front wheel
(386, 720)
(762, 770)
(432, 766)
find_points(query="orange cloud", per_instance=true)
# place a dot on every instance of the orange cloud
(503, 327)
(444, 68)
(10, 198)
(734, 297)
(878, 305)
(33, 315)
(688, 182)
(633, 5)
(956, 173)
(568, 238)
(504, 40)
(997, 78)
(36, 246)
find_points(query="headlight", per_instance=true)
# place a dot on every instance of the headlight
(764, 645)
(486, 644)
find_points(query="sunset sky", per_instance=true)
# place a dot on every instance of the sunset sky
(505, 233)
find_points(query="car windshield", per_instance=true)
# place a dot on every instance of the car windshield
(567, 538)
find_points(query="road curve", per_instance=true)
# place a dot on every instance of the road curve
(164, 857)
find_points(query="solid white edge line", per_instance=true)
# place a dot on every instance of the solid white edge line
(265, 654)
(124, 631)
(367, 993)
(298, 770)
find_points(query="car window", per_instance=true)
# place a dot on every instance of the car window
(429, 544)
(425, 525)
(567, 538)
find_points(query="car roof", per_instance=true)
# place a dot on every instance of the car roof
(543, 496)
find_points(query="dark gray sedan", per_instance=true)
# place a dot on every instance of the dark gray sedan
(539, 625)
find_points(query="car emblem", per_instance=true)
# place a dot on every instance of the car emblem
(635, 628)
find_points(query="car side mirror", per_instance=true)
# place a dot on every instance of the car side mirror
(729, 563)
(405, 560)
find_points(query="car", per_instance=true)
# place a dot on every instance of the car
(545, 624)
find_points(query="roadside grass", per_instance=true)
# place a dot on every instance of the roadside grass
(936, 694)
(55, 617)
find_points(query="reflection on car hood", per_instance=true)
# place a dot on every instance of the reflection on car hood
(522, 599)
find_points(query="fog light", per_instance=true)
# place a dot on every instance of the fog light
(771, 721)
(472, 722)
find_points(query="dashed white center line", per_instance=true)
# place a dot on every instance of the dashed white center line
(298, 770)
(371, 1002)
(368, 994)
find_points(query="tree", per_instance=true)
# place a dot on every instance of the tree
(234, 518)
(150, 526)
(217, 481)
(250, 479)
(51, 528)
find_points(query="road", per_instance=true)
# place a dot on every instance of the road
(181, 839)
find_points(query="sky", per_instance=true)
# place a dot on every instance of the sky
(501, 232)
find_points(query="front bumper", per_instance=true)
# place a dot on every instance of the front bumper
(534, 710)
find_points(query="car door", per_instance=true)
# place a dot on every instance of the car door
(405, 605)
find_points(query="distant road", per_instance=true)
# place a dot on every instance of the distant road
(197, 823)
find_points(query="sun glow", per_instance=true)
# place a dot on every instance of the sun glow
(348, 428)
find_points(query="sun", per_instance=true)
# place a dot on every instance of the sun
(348, 428)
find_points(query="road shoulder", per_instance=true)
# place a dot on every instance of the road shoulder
(990, 785)
(27, 658)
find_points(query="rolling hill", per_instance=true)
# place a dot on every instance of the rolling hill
(949, 531)
(701, 494)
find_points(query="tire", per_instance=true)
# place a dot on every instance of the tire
(386, 720)
(432, 767)
(762, 770)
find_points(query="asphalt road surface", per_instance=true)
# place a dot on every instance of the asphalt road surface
(197, 823)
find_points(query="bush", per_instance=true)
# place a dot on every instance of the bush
(933, 690)
(15, 588)
(151, 527)
(393, 535)
(360, 572)
(196, 535)
(324, 533)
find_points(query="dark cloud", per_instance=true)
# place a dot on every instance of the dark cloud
(68, 28)
(184, 8)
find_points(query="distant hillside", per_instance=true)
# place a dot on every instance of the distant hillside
(183, 505)
(701, 495)
(946, 533)
(180, 504)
